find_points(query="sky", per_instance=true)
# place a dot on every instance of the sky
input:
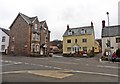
(59, 13)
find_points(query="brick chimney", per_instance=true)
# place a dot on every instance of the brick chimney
(67, 27)
(103, 23)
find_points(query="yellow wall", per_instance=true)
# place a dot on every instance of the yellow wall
(97, 47)
(89, 44)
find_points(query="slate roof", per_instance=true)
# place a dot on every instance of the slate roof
(77, 31)
(43, 23)
(111, 31)
(28, 19)
(5, 31)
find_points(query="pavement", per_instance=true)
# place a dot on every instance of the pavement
(57, 69)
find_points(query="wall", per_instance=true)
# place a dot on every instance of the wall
(89, 44)
(113, 43)
(6, 40)
(21, 31)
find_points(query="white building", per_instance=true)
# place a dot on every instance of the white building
(4, 40)
(110, 38)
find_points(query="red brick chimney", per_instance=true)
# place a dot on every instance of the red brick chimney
(67, 27)
(103, 23)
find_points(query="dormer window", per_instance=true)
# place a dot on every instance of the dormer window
(83, 31)
(69, 32)
(72, 32)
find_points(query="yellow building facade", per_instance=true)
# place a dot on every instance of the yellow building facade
(79, 39)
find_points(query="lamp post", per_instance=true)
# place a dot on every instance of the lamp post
(108, 18)
(109, 42)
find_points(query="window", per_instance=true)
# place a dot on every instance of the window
(12, 48)
(72, 32)
(118, 40)
(83, 31)
(68, 41)
(84, 48)
(36, 26)
(75, 40)
(13, 38)
(84, 40)
(37, 48)
(68, 49)
(33, 35)
(2, 47)
(3, 39)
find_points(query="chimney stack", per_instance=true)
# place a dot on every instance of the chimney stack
(103, 23)
(92, 24)
(67, 27)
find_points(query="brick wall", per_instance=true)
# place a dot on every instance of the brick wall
(21, 31)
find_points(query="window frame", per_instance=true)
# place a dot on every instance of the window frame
(118, 40)
(68, 40)
(2, 47)
(84, 40)
(3, 39)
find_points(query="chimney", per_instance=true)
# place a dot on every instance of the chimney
(67, 27)
(92, 24)
(103, 23)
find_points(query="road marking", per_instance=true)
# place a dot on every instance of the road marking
(40, 58)
(96, 73)
(6, 64)
(65, 62)
(48, 73)
(26, 63)
(56, 68)
(51, 73)
(107, 67)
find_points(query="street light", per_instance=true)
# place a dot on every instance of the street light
(108, 18)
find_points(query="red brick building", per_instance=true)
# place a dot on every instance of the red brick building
(28, 36)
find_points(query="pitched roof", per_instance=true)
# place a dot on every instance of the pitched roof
(111, 31)
(29, 20)
(5, 31)
(77, 31)
(43, 23)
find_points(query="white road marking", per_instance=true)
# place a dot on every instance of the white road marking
(66, 62)
(85, 72)
(6, 64)
(96, 73)
(26, 63)
(108, 66)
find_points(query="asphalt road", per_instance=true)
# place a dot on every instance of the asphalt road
(57, 69)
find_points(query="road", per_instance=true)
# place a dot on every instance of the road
(57, 69)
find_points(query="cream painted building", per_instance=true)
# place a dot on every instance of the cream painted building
(79, 39)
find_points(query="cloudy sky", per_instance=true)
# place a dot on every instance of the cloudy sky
(59, 13)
